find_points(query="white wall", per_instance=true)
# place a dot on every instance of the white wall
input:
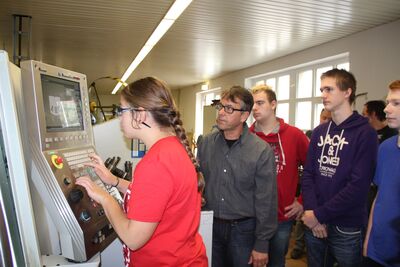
(374, 60)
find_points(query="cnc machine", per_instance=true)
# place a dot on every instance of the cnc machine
(60, 140)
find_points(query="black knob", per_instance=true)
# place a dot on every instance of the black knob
(85, 216)
(76, 195)
(95, 240)
(67, 181)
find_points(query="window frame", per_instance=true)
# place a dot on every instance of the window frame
(293, 73)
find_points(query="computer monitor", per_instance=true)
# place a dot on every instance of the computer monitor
(62, 104)
(59, 105)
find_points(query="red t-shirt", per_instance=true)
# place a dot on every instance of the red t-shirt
(164, 190)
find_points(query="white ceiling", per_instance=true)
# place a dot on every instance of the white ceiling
(211, 38)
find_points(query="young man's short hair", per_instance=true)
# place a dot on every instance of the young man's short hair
(237, 92)
(376, 106)
(395, 85)
(344, 80)
(266, 89)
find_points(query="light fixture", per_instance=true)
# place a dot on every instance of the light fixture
(172, 15)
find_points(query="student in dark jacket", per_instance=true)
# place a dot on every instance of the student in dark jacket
(339, 169)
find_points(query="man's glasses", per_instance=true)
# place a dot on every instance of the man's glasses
(227, 109)
(326, 89)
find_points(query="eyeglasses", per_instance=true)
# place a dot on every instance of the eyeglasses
(120, 110)
(326, 89)
(227, 109)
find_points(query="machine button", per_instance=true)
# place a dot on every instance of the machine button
(85, 216)
(67, 181)
(100, 212)
(57, 161)
(95, 240)
(75, 195)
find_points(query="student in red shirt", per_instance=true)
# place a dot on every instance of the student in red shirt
(290, 148)
(159, 220)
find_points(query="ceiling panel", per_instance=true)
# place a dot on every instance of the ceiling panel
(212, 37)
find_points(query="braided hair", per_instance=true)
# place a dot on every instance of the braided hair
(154, 96)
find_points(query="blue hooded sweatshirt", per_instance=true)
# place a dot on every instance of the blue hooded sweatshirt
(340, 165)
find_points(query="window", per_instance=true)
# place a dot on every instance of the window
(283, 87)
(304, 84)
(302, 121)
(271, 82)
(204, 99)
(298, 89)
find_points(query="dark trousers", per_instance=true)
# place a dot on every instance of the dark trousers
(232, 243)
(368, 262)
(343, 245)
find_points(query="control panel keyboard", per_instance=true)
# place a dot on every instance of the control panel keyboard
(76, 160)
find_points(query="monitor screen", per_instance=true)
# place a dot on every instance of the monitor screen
(62, 104)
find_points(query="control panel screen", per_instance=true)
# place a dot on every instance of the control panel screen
(62, 104)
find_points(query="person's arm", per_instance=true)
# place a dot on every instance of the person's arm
(356, 189)
(307, 180)
(266, 205)
(146, 202)
(370, 221)
(133, 233)
(302, 148)
(296, 208)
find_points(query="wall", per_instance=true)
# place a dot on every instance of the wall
(109, 100)
(374, 60)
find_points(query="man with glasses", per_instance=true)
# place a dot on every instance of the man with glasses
(240, 175)
(290, 149)
(340, 165)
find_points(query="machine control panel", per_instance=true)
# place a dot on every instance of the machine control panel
(67, 165)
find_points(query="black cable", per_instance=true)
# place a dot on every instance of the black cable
(93, 84)
(98, 99)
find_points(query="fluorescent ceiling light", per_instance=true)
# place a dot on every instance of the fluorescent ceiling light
(177, 8)
(142, 54)
(159, 32)
(173, 14)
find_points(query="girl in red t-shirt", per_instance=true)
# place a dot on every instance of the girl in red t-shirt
(159, 220)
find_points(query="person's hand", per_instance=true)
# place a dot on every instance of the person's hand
(258, 259)
(94, 191)
(101, 170)
(203, 201)
(309, 219)
(294, 210)
(319, 231)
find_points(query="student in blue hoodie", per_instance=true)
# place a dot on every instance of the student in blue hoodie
(382, 242)
(340, 165)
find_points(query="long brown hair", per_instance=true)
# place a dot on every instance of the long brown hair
(154, 96)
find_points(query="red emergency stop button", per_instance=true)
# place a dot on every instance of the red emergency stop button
(57, 161)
